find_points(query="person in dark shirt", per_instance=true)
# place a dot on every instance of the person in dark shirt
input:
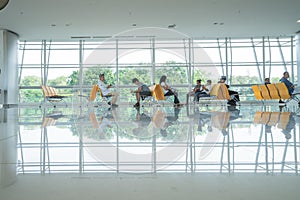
(199, 91)
(235, 95)
(290, 86)
(141, 92)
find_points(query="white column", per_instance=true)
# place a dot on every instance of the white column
(8, 68)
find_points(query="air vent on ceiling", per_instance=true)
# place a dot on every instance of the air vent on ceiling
(101, 37)
(80, 37)
(124, 36)
(145, 36)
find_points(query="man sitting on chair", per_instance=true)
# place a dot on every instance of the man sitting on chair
(234, 94)
(141, 92)
(106, 91)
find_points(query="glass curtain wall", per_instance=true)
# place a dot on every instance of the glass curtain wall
(74, 67)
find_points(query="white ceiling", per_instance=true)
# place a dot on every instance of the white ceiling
(62, 19)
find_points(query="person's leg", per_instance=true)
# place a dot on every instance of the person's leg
(203, 94)
(138, 98)
(236, 94)
(170, 93)
(188, 95)
(176, 100)
(196, 98)
(115, 96)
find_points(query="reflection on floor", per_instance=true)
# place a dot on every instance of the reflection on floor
(151, 140)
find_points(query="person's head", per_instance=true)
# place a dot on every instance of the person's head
(101, 77)
(208, 82)
(267, 80)
(135, 81)
(198, 82)
(286, 74)
(222, 79)
(163, 78)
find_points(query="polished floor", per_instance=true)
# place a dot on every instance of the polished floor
(213, 150)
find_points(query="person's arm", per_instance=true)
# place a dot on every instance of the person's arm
(287, 83)
(139, 89)
(195, 89)
(164, 85)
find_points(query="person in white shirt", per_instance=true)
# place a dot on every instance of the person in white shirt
(169, 91)
(208, 86)
(106, 90)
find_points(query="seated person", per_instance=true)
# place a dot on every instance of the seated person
(168, 91)
(200, 91)
(290, 86)
(207, 90)
(235, 94)
(267, 81)
(141, 92)
(208, 86)
(106, 90)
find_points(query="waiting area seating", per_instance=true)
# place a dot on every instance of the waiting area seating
(157, 94)
(274, 91)
(218, 91)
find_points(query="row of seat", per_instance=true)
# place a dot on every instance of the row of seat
(51, 95)
(274, 91)
(219, 91)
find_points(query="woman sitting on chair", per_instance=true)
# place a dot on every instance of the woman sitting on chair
(168, 91)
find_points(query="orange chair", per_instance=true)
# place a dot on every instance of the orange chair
(273, 91)
(264, 92)
(257, 92)
(283, 91)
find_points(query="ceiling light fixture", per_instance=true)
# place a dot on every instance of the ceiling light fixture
(172, 26)
(298, 21)
(3, 4)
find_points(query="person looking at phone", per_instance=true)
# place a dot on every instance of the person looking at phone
(106, 91)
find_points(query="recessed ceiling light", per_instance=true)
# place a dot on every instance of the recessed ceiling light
(298, 21)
